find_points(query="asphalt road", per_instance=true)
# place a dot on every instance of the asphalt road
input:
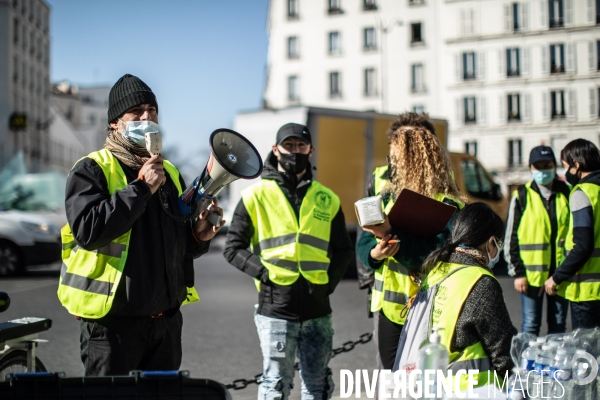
(219, 336)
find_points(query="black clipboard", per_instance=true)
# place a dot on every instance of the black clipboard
(420, 215)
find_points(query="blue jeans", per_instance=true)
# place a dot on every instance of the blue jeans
(280, 342)
(585, 314)
(532, 312)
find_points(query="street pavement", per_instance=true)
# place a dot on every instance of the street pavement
(219, 336)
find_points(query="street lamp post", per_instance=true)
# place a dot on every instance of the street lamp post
(385, 28)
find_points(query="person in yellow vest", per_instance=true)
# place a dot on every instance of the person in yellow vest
(288, 232)
(127, 264)
(468, 302)
(417, 162)
(578, 276)
(537, 226)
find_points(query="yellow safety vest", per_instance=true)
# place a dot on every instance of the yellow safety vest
(585, 284)
(449, 299)
(534, 234)
(289, 247)
(89, 278)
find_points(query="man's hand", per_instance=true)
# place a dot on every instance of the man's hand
(380, 230)
(204, 230)
(153, 173)
(550, 287)
(521, 285)
(384, 249)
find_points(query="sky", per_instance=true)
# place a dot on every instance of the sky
(204, 60)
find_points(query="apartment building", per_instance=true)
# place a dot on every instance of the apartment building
(24, 81)
(507, 75)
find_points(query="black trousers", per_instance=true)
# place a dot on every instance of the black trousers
(388, 336)
(117, 345)
(585, 314)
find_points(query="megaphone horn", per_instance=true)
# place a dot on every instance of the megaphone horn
(232, 157)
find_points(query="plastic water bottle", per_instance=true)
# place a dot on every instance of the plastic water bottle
(560, 369)
(433, 356)
(581, 369)
(528, 356)
(516, 389)
(542, 361)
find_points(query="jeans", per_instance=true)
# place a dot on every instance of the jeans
(117, 345)
(585, 314)
(280, 342)
(532, 312)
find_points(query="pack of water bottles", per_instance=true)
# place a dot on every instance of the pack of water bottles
(559, 366)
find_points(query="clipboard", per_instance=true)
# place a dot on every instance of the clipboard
(420, 215)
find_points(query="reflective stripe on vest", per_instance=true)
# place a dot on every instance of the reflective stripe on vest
(89, 278)
(289, 246)
(585, 284)
(449, 299)
(534, 234)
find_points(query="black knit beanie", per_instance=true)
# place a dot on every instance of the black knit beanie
(129, 91)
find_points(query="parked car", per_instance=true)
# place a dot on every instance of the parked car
(26, 238)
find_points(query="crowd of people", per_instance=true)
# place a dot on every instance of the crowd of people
(128, 265)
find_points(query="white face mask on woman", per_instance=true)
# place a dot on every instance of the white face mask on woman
(493, 261)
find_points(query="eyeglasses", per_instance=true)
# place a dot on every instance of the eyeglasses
(499, 244)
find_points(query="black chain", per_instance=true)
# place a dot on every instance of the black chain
(344, 348)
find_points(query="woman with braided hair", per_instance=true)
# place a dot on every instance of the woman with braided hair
(418, 162)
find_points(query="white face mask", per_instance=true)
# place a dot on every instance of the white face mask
(493, 261)
(136, 131)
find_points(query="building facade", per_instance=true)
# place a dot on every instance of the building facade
(507, 75)
(24, 82)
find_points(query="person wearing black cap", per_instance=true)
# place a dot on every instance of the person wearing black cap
(127, 264)
(299, 251)
(537, 226)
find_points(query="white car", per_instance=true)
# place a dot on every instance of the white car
(26, 238)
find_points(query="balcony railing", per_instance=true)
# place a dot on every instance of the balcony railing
(557, 23)
(513, 72)
(557, 69)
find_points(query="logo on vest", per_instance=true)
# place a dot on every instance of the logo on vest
(323, 203)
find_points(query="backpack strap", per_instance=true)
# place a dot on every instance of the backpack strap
(522, 192)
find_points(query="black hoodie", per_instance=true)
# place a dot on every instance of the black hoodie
(302, 300)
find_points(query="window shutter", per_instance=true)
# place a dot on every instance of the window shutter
(568, 7)
(591, 12)
(481, 65)
(471, 18)
(481, 111)
(572, 97)
(462, 25)
(571, 60)
(501, 105)
(459, 112)
(592, 55)
(457, 67)
(526, 107)
(524, 23)
(501, 69)
(544, 14)
(545, 111)
(593, 103)
(507, 17)
(525, 58)
(545, 60)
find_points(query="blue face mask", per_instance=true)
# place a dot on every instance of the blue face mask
(493, 261)
(543, 176)
(136, 131)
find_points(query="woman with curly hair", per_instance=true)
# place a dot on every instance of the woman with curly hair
(418, 162)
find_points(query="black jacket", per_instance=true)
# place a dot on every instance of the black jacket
(160, 260)
(516, 267)
(302, 300)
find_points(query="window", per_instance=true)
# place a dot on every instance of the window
(471, 148)
(292, 9)
(24, 37)
(335, 45)
(557, 102)
(292, 43)
(15, 70)
(335, 89)
(597, 11)
(370, 82)
(515, 16)
(468, 66)
(557, 58)
(418, 84)
(293, 94)
(477, 182)
(416, 33)
(16, 31)
(556, 13)
(515, 153)
(598, 54)
(469, 108)
(514, 107)
(369, 5)
(415, 2)
(369, 39)
(513, 62)
(32, 44)
(419, 109)
(335, 7)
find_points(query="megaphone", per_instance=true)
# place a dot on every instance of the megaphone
(232, 157)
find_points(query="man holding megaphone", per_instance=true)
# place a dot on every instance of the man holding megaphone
(299, 251)
(127, 252)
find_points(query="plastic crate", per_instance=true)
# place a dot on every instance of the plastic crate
(163, 385)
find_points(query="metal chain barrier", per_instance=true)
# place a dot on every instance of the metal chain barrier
(239, 384)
